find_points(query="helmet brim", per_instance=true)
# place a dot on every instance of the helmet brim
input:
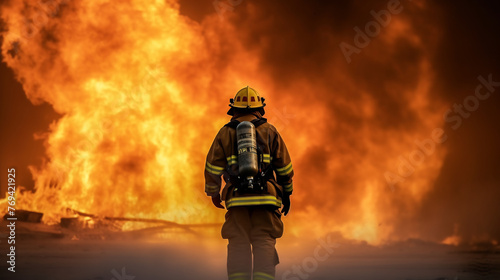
(233, 110)
(241, 107)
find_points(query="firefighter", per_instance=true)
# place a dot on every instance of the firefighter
(252, 158)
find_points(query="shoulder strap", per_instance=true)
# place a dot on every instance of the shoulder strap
(256, 122)
(232, 124)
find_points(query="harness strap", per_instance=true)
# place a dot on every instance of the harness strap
(256, 122)
(264, 175)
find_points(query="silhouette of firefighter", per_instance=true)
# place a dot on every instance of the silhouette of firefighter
(252, 158)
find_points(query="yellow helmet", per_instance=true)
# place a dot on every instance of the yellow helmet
(247, 98)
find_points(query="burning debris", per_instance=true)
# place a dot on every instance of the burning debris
(88, 226)
(25, 216)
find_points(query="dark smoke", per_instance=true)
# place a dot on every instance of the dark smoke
(299, 40)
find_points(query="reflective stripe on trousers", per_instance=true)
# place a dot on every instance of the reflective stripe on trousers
(239, 276)
(262, 276)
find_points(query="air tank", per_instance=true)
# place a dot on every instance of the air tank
(247, 151)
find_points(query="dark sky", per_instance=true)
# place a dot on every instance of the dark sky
(469, 182)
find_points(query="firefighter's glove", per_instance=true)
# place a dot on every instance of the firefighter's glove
(217, 201)
(286, 204)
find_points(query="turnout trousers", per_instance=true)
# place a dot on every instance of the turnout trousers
(251, 231)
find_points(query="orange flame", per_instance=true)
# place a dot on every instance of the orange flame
(142, 91)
